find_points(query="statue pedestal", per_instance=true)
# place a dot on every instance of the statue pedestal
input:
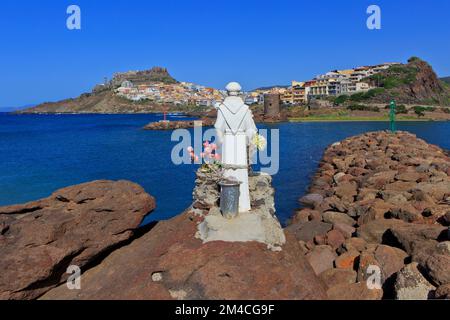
(260, 224)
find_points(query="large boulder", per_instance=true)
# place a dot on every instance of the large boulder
(411, 284)
(74, 226)
(306, 231)
(170, 263)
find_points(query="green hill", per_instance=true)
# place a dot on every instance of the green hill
(411, 83)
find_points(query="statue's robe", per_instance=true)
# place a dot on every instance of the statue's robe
(235, 128)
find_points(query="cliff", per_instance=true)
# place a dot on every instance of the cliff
(102, 99)
(412, 83)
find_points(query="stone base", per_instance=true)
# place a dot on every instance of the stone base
(260, 224)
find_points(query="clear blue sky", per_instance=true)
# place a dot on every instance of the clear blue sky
(210, 42)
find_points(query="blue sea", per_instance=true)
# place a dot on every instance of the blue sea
(42, 153)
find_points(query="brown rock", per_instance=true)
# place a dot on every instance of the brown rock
(438, 269)
(335, 238)
(334, 277)
(72, 227)
(346, 190)
(357, 244)
(308, 230)
(338, 217)
(381, 179)
(311, 200)
(355, 291)
(401, 186)
(346, 230)
(374, 231)
(321, 258)
(410, 176)
(346, 260)
(390, 260)
(443, 292)
(189, 269)
(411, 235)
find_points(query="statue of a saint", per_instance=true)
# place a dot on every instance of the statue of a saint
(235, 130)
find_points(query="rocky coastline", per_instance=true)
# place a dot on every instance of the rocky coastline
(208, 120)
(378, 202)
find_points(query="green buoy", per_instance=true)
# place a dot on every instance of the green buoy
(392, 114)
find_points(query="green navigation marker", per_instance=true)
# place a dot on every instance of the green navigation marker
(392, 113)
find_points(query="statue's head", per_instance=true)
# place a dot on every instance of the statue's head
(233, 88)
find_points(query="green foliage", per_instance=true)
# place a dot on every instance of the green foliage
(361, 96)
(401, 109)
(420, 111)
(395, 76)
(341, 99)
(361, 107)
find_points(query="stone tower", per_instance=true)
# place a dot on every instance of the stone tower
(271, 105)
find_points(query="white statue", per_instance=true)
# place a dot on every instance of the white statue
(235, 130)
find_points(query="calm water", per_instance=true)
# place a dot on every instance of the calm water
(42, 153)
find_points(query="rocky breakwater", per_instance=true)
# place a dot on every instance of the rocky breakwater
(74, 226)
(379, 205)
(182, 124)
(186, 258)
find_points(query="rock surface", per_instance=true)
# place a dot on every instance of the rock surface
(379, 200)
(188, 269)
(74, 226)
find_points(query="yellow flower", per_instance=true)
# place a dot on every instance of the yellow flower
(259, 142)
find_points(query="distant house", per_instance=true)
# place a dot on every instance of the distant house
(127, 84)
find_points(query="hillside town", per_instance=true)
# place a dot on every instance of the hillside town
(333, 83)
(182, 93)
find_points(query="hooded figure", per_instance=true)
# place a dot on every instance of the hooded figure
(235, 130)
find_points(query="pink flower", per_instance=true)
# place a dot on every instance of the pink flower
(196, 159)
(214, 146)
(206, 144)
(217, 157)
(202, 154)
(190, 149)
